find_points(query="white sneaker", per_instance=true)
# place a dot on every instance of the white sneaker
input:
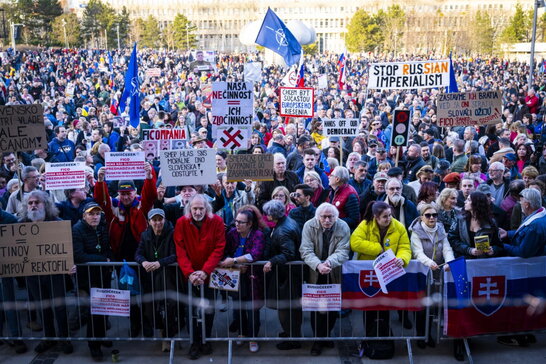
(253, 346)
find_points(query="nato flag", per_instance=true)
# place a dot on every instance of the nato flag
(132, 89)
(275, 35)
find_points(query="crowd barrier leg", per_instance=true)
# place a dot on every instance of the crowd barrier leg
(468, 352)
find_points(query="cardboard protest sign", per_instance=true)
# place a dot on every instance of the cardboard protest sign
(36, 248)
(232, 105)
(469, 108)
(60, 176)
(257, 167)
(110, 302)
(409, 75)
(386, 269)
(225, 279)
(164, 134)
(340, 127)
(124, 165)
(188, 167)
(321, 297)
(297, 102)
(22, 128)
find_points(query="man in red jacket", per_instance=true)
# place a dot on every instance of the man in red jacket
(126, 218)
(532, 101)
(200, 239)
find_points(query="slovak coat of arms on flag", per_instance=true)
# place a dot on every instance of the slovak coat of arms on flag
(368, 282)
(488, 294)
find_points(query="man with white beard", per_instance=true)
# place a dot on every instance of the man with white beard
(403, 210)
(47, 291)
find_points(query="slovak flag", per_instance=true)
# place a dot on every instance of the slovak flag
(341, 68)
(361, 291)
(301, 76)
(497, 287)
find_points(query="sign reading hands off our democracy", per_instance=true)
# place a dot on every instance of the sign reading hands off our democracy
(257, 167)
(340, 127)
(188, 167)
(38, 248)
(409, 75)
(22, 128)
(469, 108)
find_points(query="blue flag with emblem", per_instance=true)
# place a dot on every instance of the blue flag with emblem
(452, 79)
(275, 35)
(132, 89)
(460, 278)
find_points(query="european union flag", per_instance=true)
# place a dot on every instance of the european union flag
(452, 80)
(275, 35)
(132, 89)
(460, 278)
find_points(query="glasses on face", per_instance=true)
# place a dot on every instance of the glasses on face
(326, 217)
(239, 222)
(295, 194)
(34, 202)
(394, 188)
(431, 216)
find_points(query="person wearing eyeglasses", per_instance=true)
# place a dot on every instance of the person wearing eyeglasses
(499, 185)
(403, 209)
(430, 246)
(31, 182)
(378, 232)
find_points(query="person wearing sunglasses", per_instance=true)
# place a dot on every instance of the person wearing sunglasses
(430, 246)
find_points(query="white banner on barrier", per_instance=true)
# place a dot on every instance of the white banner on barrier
(321, 297)
(110, 302)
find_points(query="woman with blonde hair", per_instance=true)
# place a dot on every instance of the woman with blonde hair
(447, 207)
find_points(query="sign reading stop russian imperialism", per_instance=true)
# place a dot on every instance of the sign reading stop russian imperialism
(469, 108)
(36, 248)
(409, 75)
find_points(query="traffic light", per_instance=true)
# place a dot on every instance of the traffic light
(400, 128)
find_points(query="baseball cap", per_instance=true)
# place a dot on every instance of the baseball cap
(334, 139)
(395, 172)
(380, 176)
(90, 206)
(126, 186)
(452, 177)
(484, 188)
(154, 212)
(443, 166)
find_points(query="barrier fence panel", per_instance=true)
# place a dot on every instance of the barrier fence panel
(488, 298)
(268, 307)
(89, 306)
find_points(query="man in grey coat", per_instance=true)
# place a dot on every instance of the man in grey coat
(324, 248)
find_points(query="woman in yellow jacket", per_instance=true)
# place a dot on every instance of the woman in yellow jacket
(378, 232)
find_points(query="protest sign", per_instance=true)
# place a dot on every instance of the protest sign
(179, 144)
(409, 75)
(60, 176)
(469, 108)
(297, 102)
(110, 302)
(225, 279)
(69, 92)
(257, 167)
(22, 128)
(164, 134)
(151, 149)
(232, 105)
(386, 269)
(233, 138)
(322, 81)
(188, 167)
(321, 297)
(253, 72)
(340, 127)
(153, 72)
(124, 165)
(36, 248)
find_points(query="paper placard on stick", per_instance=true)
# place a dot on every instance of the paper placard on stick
(232, 104)
(340, 127)
(110, 302)
(233, 138)
(36, 248)
(22, 128)
(297, 102)
(257, 167)
(225, 279)
(409, 75)
(60, 176)
(469, 108)
(386, 269)
(124, 165)
(321, 297)
(188, 167)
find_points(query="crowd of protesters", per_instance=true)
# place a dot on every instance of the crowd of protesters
(330, 200)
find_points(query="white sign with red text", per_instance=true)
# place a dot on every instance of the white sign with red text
(321, 297)
(124, 165)
(387, 269)
(110, 302)
(60, 176)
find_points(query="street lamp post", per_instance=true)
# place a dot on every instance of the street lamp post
(65, 37)
(118, 37)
